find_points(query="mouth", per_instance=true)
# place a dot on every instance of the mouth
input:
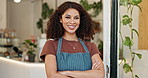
(71, 27)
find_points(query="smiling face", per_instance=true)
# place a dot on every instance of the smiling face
(70, 20)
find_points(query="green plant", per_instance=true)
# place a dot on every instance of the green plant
(96, 6)
(46, 12)
(100, 46)
(30, 46)
(127, 20)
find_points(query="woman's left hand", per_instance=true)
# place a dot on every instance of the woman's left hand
(63, 72)
(96, 64)
(66, 73)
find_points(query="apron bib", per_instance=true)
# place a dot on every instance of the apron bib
(73, 61)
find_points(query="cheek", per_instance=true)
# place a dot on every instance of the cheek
(65, 21)
(78, 22)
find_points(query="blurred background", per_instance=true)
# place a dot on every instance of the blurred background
(22, 34)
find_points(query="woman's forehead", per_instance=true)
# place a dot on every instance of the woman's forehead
(71, 11)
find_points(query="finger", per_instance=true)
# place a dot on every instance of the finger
(93, 62)
(93, 66)
(96, 65)
(62, 73)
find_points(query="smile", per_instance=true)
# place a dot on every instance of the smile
(71, 27)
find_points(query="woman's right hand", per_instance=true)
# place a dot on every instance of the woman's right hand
(96, 61)
(96, 64)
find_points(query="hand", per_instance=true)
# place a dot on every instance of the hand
(66, 73)
(63, 72)
(96, 64)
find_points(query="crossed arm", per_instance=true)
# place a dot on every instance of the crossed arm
(97, 70)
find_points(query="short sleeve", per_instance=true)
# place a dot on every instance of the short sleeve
(94, 49)
(47, 49)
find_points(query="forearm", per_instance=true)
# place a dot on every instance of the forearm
(57, 75)
(85, 74)
(51, 69)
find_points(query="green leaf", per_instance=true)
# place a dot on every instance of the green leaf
(138, 55)
(28, 41)
(127, 68)
(49, 12)
(126, 20)
(40, 23)
(136, 2)
(85, 4)
(124, 2)
(124, 60)
(136, 76)
(100, 46)
(128, 41)
(135, 31)
(97, 8)
(46, 11)
(139, 7)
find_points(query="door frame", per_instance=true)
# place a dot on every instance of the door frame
(114, 40)
(110, 37)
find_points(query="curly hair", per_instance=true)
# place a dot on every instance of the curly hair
(55, 29)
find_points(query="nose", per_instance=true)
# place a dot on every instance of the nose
(72, 21)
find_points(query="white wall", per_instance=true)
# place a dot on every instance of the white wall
(23, 17)
(20, 17)
(3, 14)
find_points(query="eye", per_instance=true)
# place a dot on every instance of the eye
(77, 17)
(67, 17)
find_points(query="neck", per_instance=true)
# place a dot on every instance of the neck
(71, 37)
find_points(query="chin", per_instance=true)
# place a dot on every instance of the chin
(71, 32)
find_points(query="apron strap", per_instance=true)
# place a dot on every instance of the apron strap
(85, 48)
(59, 45)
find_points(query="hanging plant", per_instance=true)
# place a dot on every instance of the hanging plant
(127, 20)
(46, 12)
(96, 6)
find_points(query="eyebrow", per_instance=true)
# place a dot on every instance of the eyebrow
(69, 15)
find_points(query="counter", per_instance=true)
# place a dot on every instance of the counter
(17, 69)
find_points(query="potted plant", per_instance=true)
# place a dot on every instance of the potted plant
(31, 49)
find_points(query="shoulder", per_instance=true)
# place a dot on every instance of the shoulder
(92, 47)
(89, 44)
(51, 41)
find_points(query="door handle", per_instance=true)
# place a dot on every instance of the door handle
(107, 71)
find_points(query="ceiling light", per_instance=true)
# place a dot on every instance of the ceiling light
(17, 1)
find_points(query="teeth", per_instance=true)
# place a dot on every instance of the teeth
(71, 26)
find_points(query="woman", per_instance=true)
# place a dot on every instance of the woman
(67, 55)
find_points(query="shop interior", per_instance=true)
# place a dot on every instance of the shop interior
(22, 36)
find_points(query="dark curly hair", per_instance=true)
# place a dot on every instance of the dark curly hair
(55, 29)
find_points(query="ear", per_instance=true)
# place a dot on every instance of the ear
(60, 20)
